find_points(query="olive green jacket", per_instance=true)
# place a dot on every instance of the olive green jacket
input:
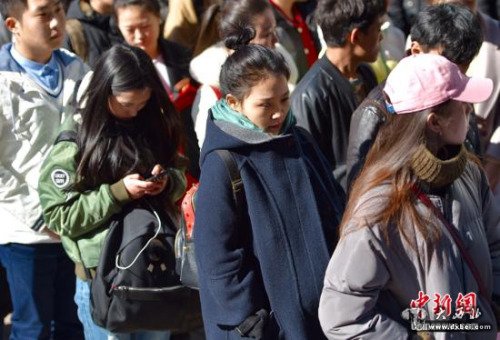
(81, 218)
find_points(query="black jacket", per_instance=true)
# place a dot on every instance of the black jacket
(367, 120)
(177, 58)
(99, 30)
(323, 102)
(365, 123)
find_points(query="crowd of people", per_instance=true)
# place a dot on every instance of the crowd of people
(366, 136)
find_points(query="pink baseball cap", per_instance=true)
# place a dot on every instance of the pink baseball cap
(422, 81)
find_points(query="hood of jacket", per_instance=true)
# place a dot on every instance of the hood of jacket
(222, 135)
(205, 68)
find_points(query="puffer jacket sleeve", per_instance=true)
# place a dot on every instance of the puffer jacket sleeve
(231, 288)
(491, 220)
(69, 212)
(354, 279)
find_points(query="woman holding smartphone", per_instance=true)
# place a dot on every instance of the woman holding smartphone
(128, 133)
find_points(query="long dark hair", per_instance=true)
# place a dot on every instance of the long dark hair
(109, 149)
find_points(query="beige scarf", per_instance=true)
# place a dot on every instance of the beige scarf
(437, 172)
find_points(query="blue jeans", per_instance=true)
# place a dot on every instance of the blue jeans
(41, 282)
(94, 332)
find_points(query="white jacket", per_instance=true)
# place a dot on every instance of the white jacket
(30, 120)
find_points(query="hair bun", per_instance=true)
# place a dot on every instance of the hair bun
(240, 37)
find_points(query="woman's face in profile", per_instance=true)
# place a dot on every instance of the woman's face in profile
(265, 29)
(127, 104)
(454, 124)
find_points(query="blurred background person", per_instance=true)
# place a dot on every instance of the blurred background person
(90, 31)
(139, 22)
(327, 95)
(297, 32)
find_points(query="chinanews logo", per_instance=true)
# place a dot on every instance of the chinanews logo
(60, 178)
(444, 315)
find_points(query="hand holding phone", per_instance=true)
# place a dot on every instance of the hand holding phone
(158, 177)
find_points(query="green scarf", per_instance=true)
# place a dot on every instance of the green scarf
(222, 111)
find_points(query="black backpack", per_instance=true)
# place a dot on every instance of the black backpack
(135, 286)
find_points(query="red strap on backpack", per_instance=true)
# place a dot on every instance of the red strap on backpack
(188, 210)
(188, 202)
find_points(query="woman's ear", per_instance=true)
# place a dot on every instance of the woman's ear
(434, 123)
(415, 48)
(233, 102)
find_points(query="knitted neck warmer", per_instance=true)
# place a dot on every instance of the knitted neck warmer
(437, 172)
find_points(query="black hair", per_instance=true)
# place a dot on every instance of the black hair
(152, 6)
(249, 64)
(452, 27)
(12, 8)
(239, 13)
(109, 148)
(339, 17)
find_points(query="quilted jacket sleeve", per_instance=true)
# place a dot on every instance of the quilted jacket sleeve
(354, 279)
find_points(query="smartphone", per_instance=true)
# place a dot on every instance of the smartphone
(157, 177)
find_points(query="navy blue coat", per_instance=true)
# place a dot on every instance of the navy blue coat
(276, 257)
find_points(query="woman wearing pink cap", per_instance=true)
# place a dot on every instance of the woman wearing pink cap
(419, 245)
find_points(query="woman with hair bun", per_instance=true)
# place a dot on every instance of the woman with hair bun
(205, 68)
(261, 263)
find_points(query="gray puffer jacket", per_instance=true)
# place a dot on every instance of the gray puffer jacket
(368, 283)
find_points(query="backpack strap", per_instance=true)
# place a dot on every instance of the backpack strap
(235, 176)
(188, 202)
(66, 136)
